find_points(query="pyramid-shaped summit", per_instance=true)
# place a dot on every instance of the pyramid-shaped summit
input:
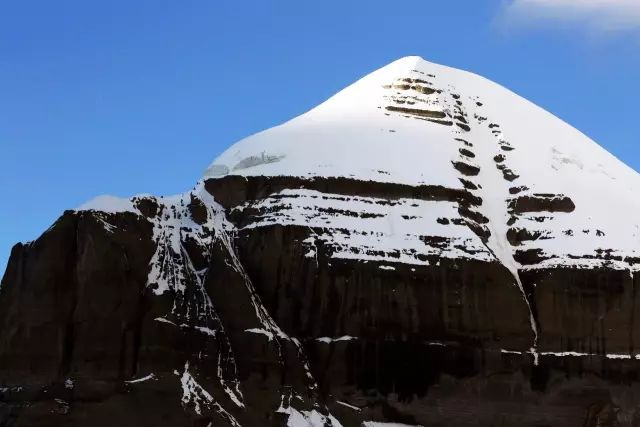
(542, 190)
(424, 248)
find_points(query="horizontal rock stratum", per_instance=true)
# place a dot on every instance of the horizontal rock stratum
(424, 248)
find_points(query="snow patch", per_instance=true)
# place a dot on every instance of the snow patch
(264, 332)
(193, 394)
(329, 340)
(575, 354)
(108, 204)
(142, 379)
(311, 418)
(355, 408)
(372, 228)
(163, 320)
(205, 330)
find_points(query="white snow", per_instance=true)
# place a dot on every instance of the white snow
(108, 204)
(350, 135)
(311, 418)
(206, 331)
(301, 418)
(353, 135)
(329, 340)
(163, 320)
(171, 227)
(355, 408)
(362, 133)
(264, 332)
(151, 376)
(363, 227)
(193, 394)
(618, 356)
(574, 354)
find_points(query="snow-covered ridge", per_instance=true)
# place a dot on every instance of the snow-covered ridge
(418, 123)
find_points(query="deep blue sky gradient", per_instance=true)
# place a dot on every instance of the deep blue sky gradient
(124, 97)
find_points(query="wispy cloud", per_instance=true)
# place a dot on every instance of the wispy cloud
(600, 15)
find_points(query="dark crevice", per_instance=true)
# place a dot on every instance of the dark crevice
(466, 152)
(633, 314)
(233, 190)
(137, 332)
(466, 169)
(464, 127)
(417, 112)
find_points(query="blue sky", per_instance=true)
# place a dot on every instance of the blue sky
(124, 97)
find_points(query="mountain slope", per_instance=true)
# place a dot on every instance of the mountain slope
(425, 247)
(418, 123)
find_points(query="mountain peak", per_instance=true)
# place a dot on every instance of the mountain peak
(416, 123)
(406, 63)
(422, 215)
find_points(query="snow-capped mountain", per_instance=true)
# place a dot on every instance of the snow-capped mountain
(425, 247)
(533, 179)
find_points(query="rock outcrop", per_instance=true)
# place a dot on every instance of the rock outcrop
(424, 248)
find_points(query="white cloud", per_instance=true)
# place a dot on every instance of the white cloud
(601, 15)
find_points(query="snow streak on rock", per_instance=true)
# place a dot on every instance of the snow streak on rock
(311, 418)
(193, 394)
(194, 218)
(181, 221)
(369, 228)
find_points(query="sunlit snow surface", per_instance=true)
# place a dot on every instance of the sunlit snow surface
(297, 418)
(354, 135)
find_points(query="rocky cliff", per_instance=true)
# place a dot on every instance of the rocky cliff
(424, 248)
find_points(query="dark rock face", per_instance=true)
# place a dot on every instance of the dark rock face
(79, 323)
(251, 329)
(73, 299)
